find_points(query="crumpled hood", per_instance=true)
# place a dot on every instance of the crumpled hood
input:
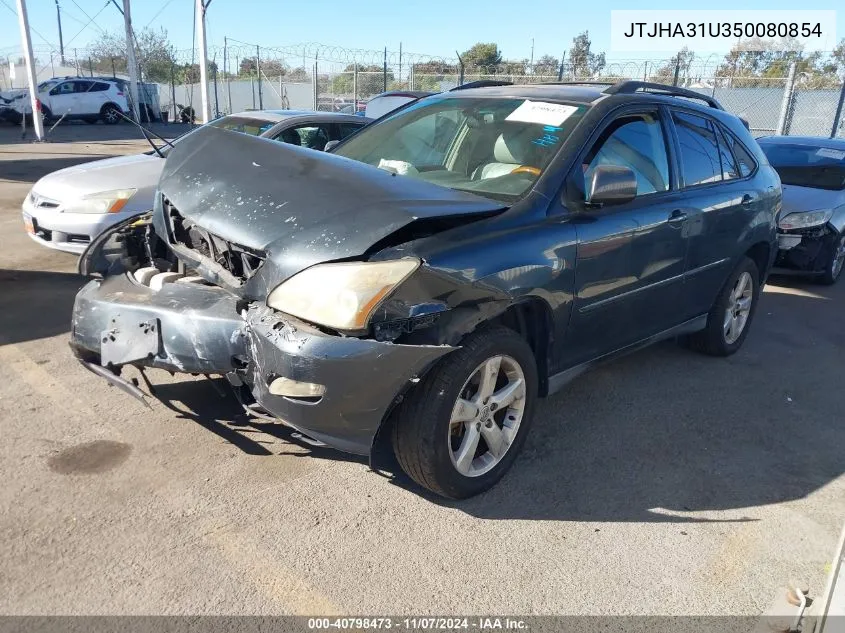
(300, 206)
(137, 171)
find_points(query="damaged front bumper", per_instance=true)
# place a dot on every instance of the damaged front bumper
(203, 329)
(805, 250)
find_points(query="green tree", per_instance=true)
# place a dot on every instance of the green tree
(682, 60)
(482, 54)
(547, 65)
(153, 51)
(583, 61)
(344, 82)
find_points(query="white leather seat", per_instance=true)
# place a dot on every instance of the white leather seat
(511, 150)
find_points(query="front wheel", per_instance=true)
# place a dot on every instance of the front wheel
(461, 428)
(730, 317)
(833, 270)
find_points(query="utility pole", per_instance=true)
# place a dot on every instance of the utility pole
(130, 60)
(23, 20)
(532, 54)
(206, 106)
(61, 41)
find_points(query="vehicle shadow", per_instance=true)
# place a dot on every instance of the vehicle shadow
(661, 435)
(36, 304)
(31, 170)
(667, 434)
(211, 404)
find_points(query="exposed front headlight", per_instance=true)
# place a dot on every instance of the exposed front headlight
(341, 296)
(805, 220)
(104, 202)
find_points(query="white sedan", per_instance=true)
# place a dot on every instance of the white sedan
(65, 210)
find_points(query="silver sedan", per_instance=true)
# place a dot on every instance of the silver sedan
(66, 209)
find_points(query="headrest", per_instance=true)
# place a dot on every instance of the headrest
(513, 147)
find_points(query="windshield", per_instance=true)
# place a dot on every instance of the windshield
(244, 125)
(494, 147)
(808, 166)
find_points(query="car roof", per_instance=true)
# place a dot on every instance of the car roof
(814, 141)
(277, 116)
(556, 92)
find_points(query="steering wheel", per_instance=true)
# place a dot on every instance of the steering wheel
(527, 169)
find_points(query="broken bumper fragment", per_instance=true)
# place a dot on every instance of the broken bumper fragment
(334, 389)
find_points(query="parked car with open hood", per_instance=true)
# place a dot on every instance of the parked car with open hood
(66, 209)
(433, 275)
(811, 229)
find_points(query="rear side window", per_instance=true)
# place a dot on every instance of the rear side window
(100, 87)
(745, 163)
(83, 86)
(636, 142)
(700, 160)
(726, 157)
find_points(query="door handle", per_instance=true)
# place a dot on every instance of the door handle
(747, 199)
(677, 218)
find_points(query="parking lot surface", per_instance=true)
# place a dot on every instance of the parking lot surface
(663, 483)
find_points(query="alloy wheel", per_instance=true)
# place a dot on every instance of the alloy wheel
(486, 416)
(739, 308)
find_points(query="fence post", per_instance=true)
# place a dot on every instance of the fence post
(355, 87)
(786, 104)
(385, 69)
(90, 66)
(216, 103)
(645, 72)
(838, 115)
(258, 77)
(461, 71)
(399, 76)
(677, 70)
(316, 88)
(173, 92)
(113, 73)
(226, 75)
(560, 70)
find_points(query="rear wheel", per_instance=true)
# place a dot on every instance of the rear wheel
(110, 114)
(461, 428)
(730, 317)
(834, 267)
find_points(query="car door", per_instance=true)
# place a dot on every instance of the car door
(719, 200)
(62, 99)
(85, 99)
(630, 257)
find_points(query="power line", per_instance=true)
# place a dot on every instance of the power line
(87, 16)
(158, 13)
(46, 41)
(87, 25)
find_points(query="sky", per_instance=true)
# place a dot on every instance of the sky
(432, 27)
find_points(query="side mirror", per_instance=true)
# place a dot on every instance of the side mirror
(611, 184)
(331, 145)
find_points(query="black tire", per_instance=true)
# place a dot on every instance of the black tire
(110, 114)
(46, 113)
(187, 115)
(712, 340)
(421, 429)
(833, 271)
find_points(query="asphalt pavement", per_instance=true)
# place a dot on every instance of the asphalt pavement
(663, 483)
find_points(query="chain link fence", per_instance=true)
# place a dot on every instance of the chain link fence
(243, 77)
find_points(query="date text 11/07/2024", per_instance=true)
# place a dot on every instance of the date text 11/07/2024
(728, 30)
(419, 623)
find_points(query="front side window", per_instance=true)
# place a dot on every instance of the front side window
(636, 142)
(63, 89)
(309, 135)
(700, 161)
(244, 125)
(347, 129)
(492, 146)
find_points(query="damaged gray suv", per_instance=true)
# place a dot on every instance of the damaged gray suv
(426, 280)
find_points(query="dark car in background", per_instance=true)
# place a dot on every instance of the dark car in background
(429, 278)
(811, 228)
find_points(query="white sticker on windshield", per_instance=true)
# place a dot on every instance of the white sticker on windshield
(836, 154)
(542, 112)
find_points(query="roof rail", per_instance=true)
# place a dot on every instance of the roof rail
(481, 83)
(630, 87)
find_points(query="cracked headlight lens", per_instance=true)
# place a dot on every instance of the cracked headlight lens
(341, 296)
(103, 202)
(805, 220)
